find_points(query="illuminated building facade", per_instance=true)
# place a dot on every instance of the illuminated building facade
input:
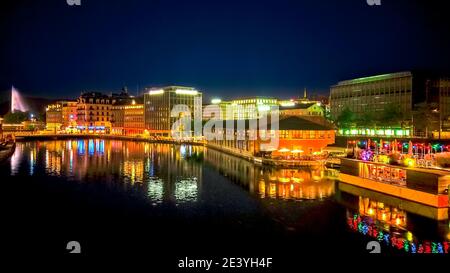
(54, 117)
(159, 102)
(404, 90)
(94, 113)
(245, 108)
(134, 122)
(252, 108)
(118, 118)
(255, 107)
(69, 114)
(302, 109)
(297, 137)
(374, 93)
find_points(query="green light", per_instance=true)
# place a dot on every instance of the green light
(375, 78)
(388, 132)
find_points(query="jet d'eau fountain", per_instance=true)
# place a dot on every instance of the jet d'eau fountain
(17, 102)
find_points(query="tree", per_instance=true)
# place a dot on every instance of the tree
(392, 115)
(346, 118)
(426, 118)
(367, 119)
(16, 117)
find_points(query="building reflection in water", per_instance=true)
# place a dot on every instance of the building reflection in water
(391, 226)
(159, 169)
(279, 183)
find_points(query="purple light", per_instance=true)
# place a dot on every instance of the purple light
(366, 155)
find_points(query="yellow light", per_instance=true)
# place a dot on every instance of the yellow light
(284, 179)
(397, 221)
(156, 92)
(316, 178)
(409, 236)
(383, 158)
(370, 211)
(287, 103)
(216, 101)
(383, 216)
(409, 162)
(297, 180)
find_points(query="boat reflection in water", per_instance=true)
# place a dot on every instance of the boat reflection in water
(303, 201)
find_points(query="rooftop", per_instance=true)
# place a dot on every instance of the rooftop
(288, 123)
(375, 78)
(298, 106)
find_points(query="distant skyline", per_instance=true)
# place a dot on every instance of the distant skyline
(224, 48)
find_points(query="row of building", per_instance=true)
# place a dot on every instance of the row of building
(150, 115)
(303, 126)
(125, 114)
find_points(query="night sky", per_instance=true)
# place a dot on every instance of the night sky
(223, 48)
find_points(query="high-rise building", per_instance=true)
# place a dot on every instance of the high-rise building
(159, 102)
(405, 91)
(374, 93)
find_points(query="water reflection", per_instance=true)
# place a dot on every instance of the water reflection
(173, 174)
(157, 168)
(276, 183)
(395, 227)
(394, 235)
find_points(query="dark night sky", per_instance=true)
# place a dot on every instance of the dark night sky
(224, 48)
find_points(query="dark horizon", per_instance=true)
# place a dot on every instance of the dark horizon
(225, 49)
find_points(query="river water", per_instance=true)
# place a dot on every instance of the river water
(131, 197)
